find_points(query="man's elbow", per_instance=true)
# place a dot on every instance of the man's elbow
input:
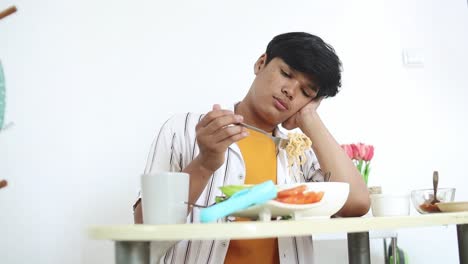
(357, 207)
(362, 206)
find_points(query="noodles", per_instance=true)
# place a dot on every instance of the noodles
(298, 144)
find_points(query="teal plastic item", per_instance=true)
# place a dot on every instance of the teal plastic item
(257, 194)
(2, 96)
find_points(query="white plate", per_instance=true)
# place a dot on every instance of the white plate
(273, 209)
(335, 195)
(453, 206)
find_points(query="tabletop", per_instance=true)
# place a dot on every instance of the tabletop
(258, 229)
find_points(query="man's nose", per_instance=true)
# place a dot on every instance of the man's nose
(291, 89)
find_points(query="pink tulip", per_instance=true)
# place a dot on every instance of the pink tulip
(369, 153)
(349, 150)
(362, 150)
(355, 150)
(359, 151)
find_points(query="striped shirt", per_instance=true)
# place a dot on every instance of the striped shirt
(176, 146)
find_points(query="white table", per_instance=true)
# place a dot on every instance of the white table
(132, 241)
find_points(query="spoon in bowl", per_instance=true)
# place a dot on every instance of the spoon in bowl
(3, 183)
(435, 182)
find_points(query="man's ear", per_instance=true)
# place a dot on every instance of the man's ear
(260, 63)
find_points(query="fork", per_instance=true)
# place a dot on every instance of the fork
(198, 205)
(279, 141)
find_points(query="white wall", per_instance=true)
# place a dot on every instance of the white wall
(90, 82)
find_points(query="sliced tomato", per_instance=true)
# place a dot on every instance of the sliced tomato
(293, 199)
(313, 197)
(320, 196)
(292, 191)
(302, 198)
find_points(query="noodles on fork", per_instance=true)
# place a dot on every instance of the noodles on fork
(298, 144)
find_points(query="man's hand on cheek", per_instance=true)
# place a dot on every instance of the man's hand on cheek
(290, 123)
(300, 117)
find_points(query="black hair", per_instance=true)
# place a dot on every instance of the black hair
(310, 55)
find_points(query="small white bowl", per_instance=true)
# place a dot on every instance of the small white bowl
(390, 204)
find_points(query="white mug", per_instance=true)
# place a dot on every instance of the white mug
(164, 196)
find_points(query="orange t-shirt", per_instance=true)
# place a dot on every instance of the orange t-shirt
(259, 155)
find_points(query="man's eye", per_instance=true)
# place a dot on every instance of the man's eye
(305, 93)
(285, 74)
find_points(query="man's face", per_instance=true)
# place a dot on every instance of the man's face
(279, 91)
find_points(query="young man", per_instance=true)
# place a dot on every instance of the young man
(295, 73)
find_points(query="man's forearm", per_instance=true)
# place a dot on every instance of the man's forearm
(199, 177)
(334, 160)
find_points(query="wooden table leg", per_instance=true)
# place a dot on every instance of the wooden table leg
(462, 234)
(132, 252)
(358, 248)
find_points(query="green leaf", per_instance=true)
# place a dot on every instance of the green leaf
(219, 199)
(230, 190)
(359, 167)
